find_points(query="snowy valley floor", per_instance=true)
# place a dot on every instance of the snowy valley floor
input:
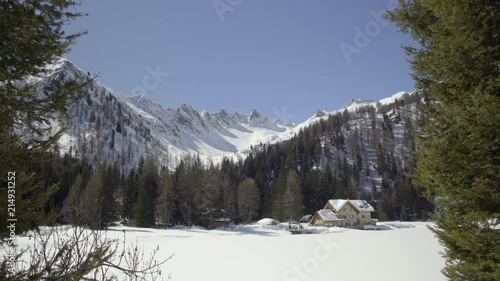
(405, 251)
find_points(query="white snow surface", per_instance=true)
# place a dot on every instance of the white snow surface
(403, 251)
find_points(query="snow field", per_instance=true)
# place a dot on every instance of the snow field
(405, 251)
(402, 251)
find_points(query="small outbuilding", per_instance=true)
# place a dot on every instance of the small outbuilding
(306, 219)
(215, 218)
(221, 222)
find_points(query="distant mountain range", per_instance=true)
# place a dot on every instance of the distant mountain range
(107, 127)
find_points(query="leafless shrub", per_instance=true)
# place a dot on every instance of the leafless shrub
(78, 253)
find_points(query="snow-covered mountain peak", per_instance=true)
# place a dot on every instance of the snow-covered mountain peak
(108, 127)
(223, 112)
(320, 113)
(393, 98)
(358, 102)
(255, 113)
(59, 64)
(141, 98)
(187, 108)
(256, 116)
(205, 114)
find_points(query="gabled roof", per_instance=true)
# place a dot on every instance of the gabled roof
(328, 215)
(306, 218)
(337, 204)
(360, 205)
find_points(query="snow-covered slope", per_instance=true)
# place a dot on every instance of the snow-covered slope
(351, 106)
(371, 136)
(108, 127)
(211, 135)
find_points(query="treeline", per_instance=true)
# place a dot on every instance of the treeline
(366, 154)
(148, 196)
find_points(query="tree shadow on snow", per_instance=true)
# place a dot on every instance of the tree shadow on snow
(246, 230)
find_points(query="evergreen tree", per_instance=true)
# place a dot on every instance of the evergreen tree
(182, 191)
(325, 188)
(110, 183)
(196, 202)
(278, 193)
(146, 199)
(32, 36)
(458, 161)
(248, 200)
(130, 192)
(310, 184)
(211, 196)
(292, 200)
(229, 183)
(165, 203)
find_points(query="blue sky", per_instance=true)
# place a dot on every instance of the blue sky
(285, 58)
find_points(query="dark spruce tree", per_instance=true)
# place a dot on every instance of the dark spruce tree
(32, 36)
(165, 203)
(145, 208)
(110, 184)
(130, 192)
(278, 193)
(458, 161)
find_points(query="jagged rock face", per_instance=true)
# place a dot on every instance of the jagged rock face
(108, 127)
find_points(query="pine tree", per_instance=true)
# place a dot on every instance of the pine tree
(32, 36)
(458, 161)
(148, 188)
(229, 190)
(165, 203)
(248, 200)
(210, 196)
(196, 201)
(183, 194)
(292, 200)
(325, 185)
(310, 184)
(130, 192)
(110, 183)
(278, 193)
